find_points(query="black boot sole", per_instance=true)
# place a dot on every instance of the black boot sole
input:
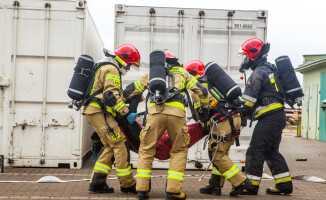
(128, 190)
(268, 191)
(100, 191)
(210, 192)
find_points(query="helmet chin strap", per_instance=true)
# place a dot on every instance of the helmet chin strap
(121, 61)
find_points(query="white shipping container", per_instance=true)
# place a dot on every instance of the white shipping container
(189, 33)
(40, 45)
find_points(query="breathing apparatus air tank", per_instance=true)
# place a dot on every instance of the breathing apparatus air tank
(288, 78)
(217, 78)
(83, 72)
(157, 75)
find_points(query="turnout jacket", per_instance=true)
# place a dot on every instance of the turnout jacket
(108, 79)
(183, 80)
(261, 92)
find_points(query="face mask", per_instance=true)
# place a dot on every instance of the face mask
(247, 63)
(123, 71)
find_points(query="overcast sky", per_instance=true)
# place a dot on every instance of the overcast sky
(295, 28)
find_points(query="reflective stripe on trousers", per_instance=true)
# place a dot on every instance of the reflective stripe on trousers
(124, 172)
(146, 173)
(103, 168)
(215, 171)
(175, 175)
(231, 172)
(255, 180)
(283, 177)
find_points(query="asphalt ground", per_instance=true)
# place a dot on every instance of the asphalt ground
(291, 148)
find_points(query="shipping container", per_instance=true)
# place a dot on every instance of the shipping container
(40, 45)
(190, 33)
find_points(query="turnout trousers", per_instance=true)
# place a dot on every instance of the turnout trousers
(264, 145)
(115, 149)
(155, 127)
(223, 166)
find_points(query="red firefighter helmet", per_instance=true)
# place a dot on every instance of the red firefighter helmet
(170, 58)
(128, 53)
(168, 54)
(195, 68)
(252, 48)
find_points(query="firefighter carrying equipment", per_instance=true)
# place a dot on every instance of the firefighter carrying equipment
(171, 117)
(287, 77)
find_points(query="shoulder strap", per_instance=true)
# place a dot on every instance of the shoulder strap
(146, 112)
(191, 105)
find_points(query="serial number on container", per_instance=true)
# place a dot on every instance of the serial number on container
(243, 26)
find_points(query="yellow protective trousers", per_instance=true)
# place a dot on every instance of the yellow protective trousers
(155, 127)
(224, 166)
(115, 149)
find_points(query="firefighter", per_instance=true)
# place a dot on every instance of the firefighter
(223, 166)
(100, 114)
(170, 116)
(264, 103)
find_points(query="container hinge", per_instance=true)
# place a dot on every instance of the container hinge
(201, 13)
(261, 13)
(47, 5)
(120, 8)
(4, 81)
(16, 3)
(80, 4)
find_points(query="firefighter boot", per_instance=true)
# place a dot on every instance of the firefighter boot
(246, 184)
(99, 185)
(252, 191)
(180, 196)
(213, 187)
(131, 189)
(143, 195)
(281, 188)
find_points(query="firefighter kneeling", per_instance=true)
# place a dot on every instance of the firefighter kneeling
(224, 129)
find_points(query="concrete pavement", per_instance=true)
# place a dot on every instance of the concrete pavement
(291, 147)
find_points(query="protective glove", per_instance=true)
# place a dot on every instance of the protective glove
(132, 117)
(96, 143)
(203, 115)
(247, 111)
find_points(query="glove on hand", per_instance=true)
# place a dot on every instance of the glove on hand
(132, 117)
(247, 111)
(203, 115)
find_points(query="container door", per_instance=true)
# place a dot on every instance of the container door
(305, 112)
(313, 112)
(322, 131)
